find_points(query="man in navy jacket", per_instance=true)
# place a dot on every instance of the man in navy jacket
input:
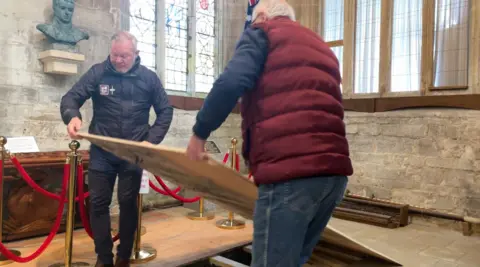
(122, 92)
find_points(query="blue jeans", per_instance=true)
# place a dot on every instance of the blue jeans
(290, 217)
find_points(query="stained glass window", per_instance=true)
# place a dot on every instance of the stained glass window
(176, 44)
(205, 45)
(142, 26)
(178, 40)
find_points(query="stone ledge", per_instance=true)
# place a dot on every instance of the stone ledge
(60, 62)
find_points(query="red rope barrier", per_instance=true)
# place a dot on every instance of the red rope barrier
(51, 235)
(160, 191)
(237, 162)
(82, 209)
(34, 185)
(175, 196)
(1, 170)
(169, 192)
(81, 202)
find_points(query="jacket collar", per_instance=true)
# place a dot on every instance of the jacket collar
(131, 73)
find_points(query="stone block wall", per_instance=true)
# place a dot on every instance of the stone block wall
(424, 157)
(29, 102)
(30, 99)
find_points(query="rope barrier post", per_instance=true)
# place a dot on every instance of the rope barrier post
(141, 254)
(3, 155)
(201, 214)
(231, 223)
(73, 159)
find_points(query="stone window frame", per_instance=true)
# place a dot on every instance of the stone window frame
(467, 97)
(428, 95)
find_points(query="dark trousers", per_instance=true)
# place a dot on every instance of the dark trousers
(290, 217)
(102, 174)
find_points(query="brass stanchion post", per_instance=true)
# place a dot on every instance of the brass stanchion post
(231, 223)
(145, 254)
(201, 214)
(73, 159)
(3, 155)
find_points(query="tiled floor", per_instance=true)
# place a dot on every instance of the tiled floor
(418, 244)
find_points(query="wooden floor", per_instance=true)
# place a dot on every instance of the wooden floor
(177, 240)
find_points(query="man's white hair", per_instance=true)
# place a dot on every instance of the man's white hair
(125, 36)
(273, 8)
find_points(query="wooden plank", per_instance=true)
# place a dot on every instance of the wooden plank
(335, 43)
(359, 105)
(324, 259)
(373, 220)
(370, 263)
(224, 262)
(448, 88)
(342, 255)
(404, 215)
(364, 213)
(399, 212)
(178, 241)
(439, 101)
(467, 228)
(212, 179)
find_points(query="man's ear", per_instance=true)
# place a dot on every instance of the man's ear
(261, 17)
(137, 53)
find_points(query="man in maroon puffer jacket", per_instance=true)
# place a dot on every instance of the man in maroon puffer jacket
(293, 131)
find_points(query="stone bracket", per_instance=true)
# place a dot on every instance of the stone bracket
(60, 62)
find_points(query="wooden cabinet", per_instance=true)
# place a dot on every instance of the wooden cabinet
(27, 213)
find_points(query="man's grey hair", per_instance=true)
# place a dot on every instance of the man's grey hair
(125, 36)
(274, 8)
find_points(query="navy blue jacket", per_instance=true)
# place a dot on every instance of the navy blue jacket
(240, 75)
(121, 102)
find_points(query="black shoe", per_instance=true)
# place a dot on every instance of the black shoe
(122, 263)
(100, 264)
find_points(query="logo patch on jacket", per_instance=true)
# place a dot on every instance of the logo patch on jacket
(104, 89)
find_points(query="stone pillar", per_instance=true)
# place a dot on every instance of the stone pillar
(125, 15)
(307, 13)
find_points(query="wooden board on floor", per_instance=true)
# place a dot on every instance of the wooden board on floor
(178, 241)
(213, 180)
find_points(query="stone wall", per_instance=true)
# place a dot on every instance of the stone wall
(428, 157)
(424, 157)
(29, 98)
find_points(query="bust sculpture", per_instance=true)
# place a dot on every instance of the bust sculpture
(61, 29)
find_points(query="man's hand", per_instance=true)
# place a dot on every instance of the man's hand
(73, 127)
(196, 149)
